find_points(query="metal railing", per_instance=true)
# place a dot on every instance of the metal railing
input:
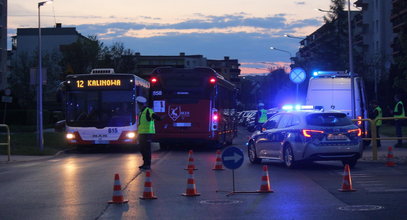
(8, 140)
(373, 133)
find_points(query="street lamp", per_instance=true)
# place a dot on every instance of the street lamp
(352, 83)
(290, 36)
(40, 137)
(273, 48)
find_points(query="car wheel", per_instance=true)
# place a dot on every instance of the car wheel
(289, 157)
(252, 154)
(350, 162)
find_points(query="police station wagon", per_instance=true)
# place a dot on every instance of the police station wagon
(295, 136)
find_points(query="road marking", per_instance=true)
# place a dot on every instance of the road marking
(384, 189)
(361, 208)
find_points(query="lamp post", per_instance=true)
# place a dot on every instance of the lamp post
(286, 51)
(40, 137)
(350, 54)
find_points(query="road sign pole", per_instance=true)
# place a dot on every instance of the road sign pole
(233, 176)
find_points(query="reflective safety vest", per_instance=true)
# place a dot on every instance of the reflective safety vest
(146, 127)
(402, 114)
(379, 115)
(263, 116)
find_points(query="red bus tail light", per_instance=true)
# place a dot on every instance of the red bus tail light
(308, 132)
(357, 132)
(215, 117)
(212, 80)
(153, 80)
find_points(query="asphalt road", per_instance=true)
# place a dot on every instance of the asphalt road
(78, 185)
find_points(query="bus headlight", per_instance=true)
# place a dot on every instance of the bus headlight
(130, 135)
(70, 136)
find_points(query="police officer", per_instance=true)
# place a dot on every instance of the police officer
(397, 113)
(377, 113)
(261, 116)
(146, 130)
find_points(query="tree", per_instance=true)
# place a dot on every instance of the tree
(81, 56)
(335, 10)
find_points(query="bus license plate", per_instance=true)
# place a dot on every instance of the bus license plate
(101, 142)
(185, 124)
(336, 137)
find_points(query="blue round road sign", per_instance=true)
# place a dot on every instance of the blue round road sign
(297, 75)
(232, 158)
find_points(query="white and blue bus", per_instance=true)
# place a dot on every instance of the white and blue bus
(101, 107)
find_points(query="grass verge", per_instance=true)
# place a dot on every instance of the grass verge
(25, 143)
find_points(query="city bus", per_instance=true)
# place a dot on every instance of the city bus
(197, 106)
(101, 107)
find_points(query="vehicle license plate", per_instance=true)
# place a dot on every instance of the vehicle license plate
(180, 124)
(101, 142)
(336, 137)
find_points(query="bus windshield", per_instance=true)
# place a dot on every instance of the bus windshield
(184, 87)
(100, 109)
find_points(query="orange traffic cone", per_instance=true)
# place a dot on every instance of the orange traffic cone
(390, 159)
(347, 180)
(265, 182)
(190, 161)
(148, 188)
(218, 162)
(117, 192)
(191, 188)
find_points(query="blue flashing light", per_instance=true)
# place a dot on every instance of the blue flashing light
(298, 107)
(307, 107)
(315, 73)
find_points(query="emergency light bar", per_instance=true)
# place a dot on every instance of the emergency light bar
(329, 73)
(299, 107)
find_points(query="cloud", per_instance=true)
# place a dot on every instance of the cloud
(240, 36)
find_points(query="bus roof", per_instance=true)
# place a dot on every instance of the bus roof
(202, 70)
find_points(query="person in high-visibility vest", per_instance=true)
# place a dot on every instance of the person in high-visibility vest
(261, 116)
(397, 113)
(146, 129)
(377, 113)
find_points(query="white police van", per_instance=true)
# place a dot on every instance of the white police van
(332, 90)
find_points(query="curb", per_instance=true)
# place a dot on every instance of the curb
(30, 158)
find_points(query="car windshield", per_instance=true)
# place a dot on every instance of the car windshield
(328, 119)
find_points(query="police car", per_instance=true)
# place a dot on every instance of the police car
(301, 133)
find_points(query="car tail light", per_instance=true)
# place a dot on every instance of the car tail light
(357, 132)
(309, 133)
(359, 122)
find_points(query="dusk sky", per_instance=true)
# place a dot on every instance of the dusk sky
(240, 29)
